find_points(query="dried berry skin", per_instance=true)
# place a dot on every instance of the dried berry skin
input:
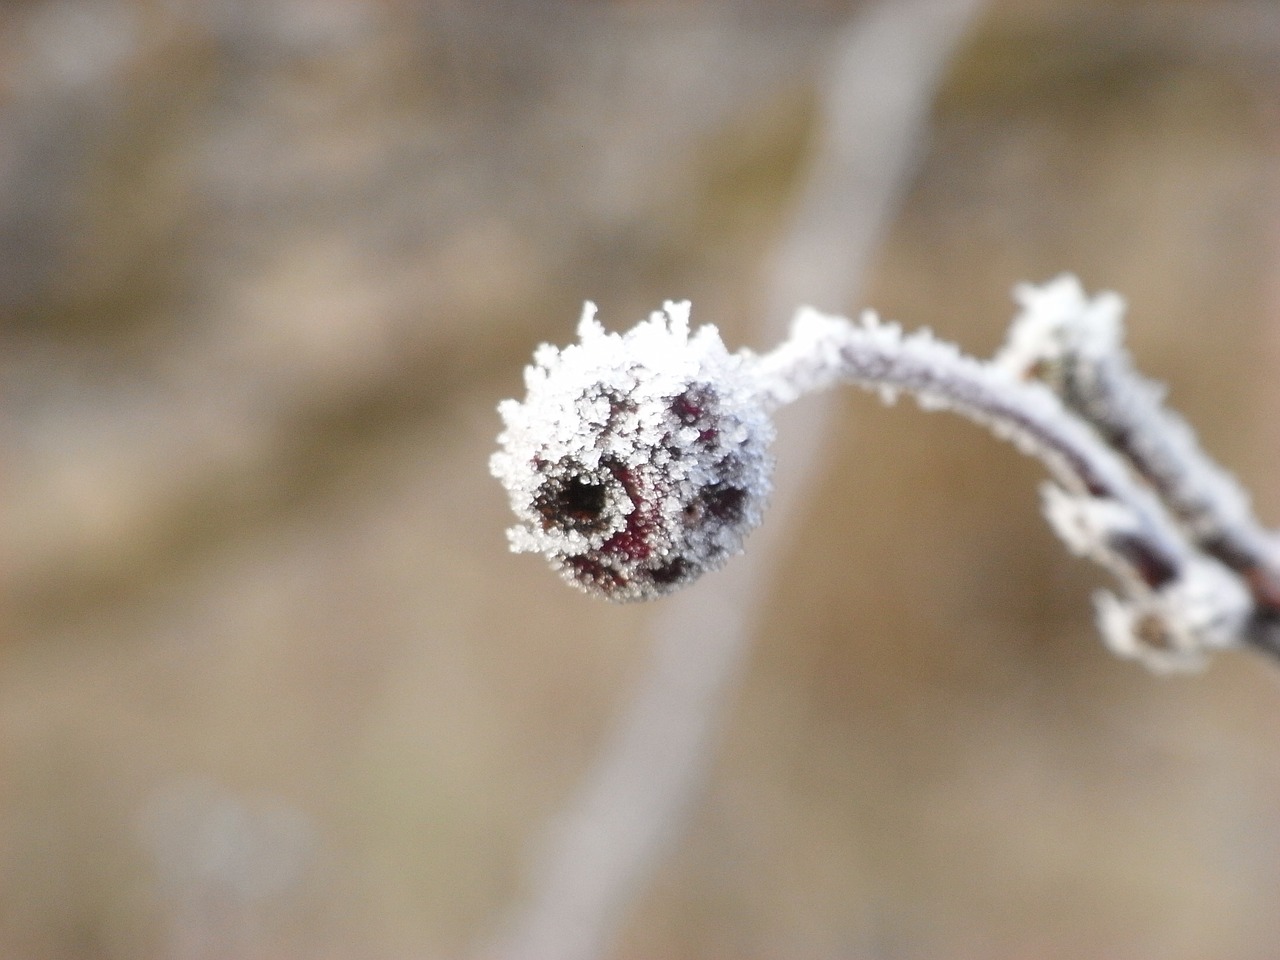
(637, 462)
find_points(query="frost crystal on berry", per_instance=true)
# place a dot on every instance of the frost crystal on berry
(637, 461)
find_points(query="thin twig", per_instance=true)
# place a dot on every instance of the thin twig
(1074, 345)
(877, 356)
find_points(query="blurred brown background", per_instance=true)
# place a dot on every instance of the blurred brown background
(271, 685)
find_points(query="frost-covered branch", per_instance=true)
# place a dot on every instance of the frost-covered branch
(1075, 345)
(640, 461)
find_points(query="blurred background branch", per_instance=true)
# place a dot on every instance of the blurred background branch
(870, 120)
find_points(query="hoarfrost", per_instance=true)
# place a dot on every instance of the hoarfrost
(637, 461)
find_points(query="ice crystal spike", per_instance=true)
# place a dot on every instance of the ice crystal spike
(636, 462)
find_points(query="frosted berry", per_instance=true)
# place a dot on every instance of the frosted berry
(637, 462)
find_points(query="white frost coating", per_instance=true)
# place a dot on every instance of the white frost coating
(1075, 344)
(1058, 322)
(1089, 525)
(1174, 629)
(1204, 608)
(824, 350)
(637, 461)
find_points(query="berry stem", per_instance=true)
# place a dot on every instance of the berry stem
(825, 350)
(1197, 571)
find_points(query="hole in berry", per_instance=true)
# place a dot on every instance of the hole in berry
(575, 503)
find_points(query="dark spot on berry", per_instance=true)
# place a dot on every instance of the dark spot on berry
(697, 407)
(573, 503)
(724, 502)
(688, 407)
(593, 573)
(668, 573)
